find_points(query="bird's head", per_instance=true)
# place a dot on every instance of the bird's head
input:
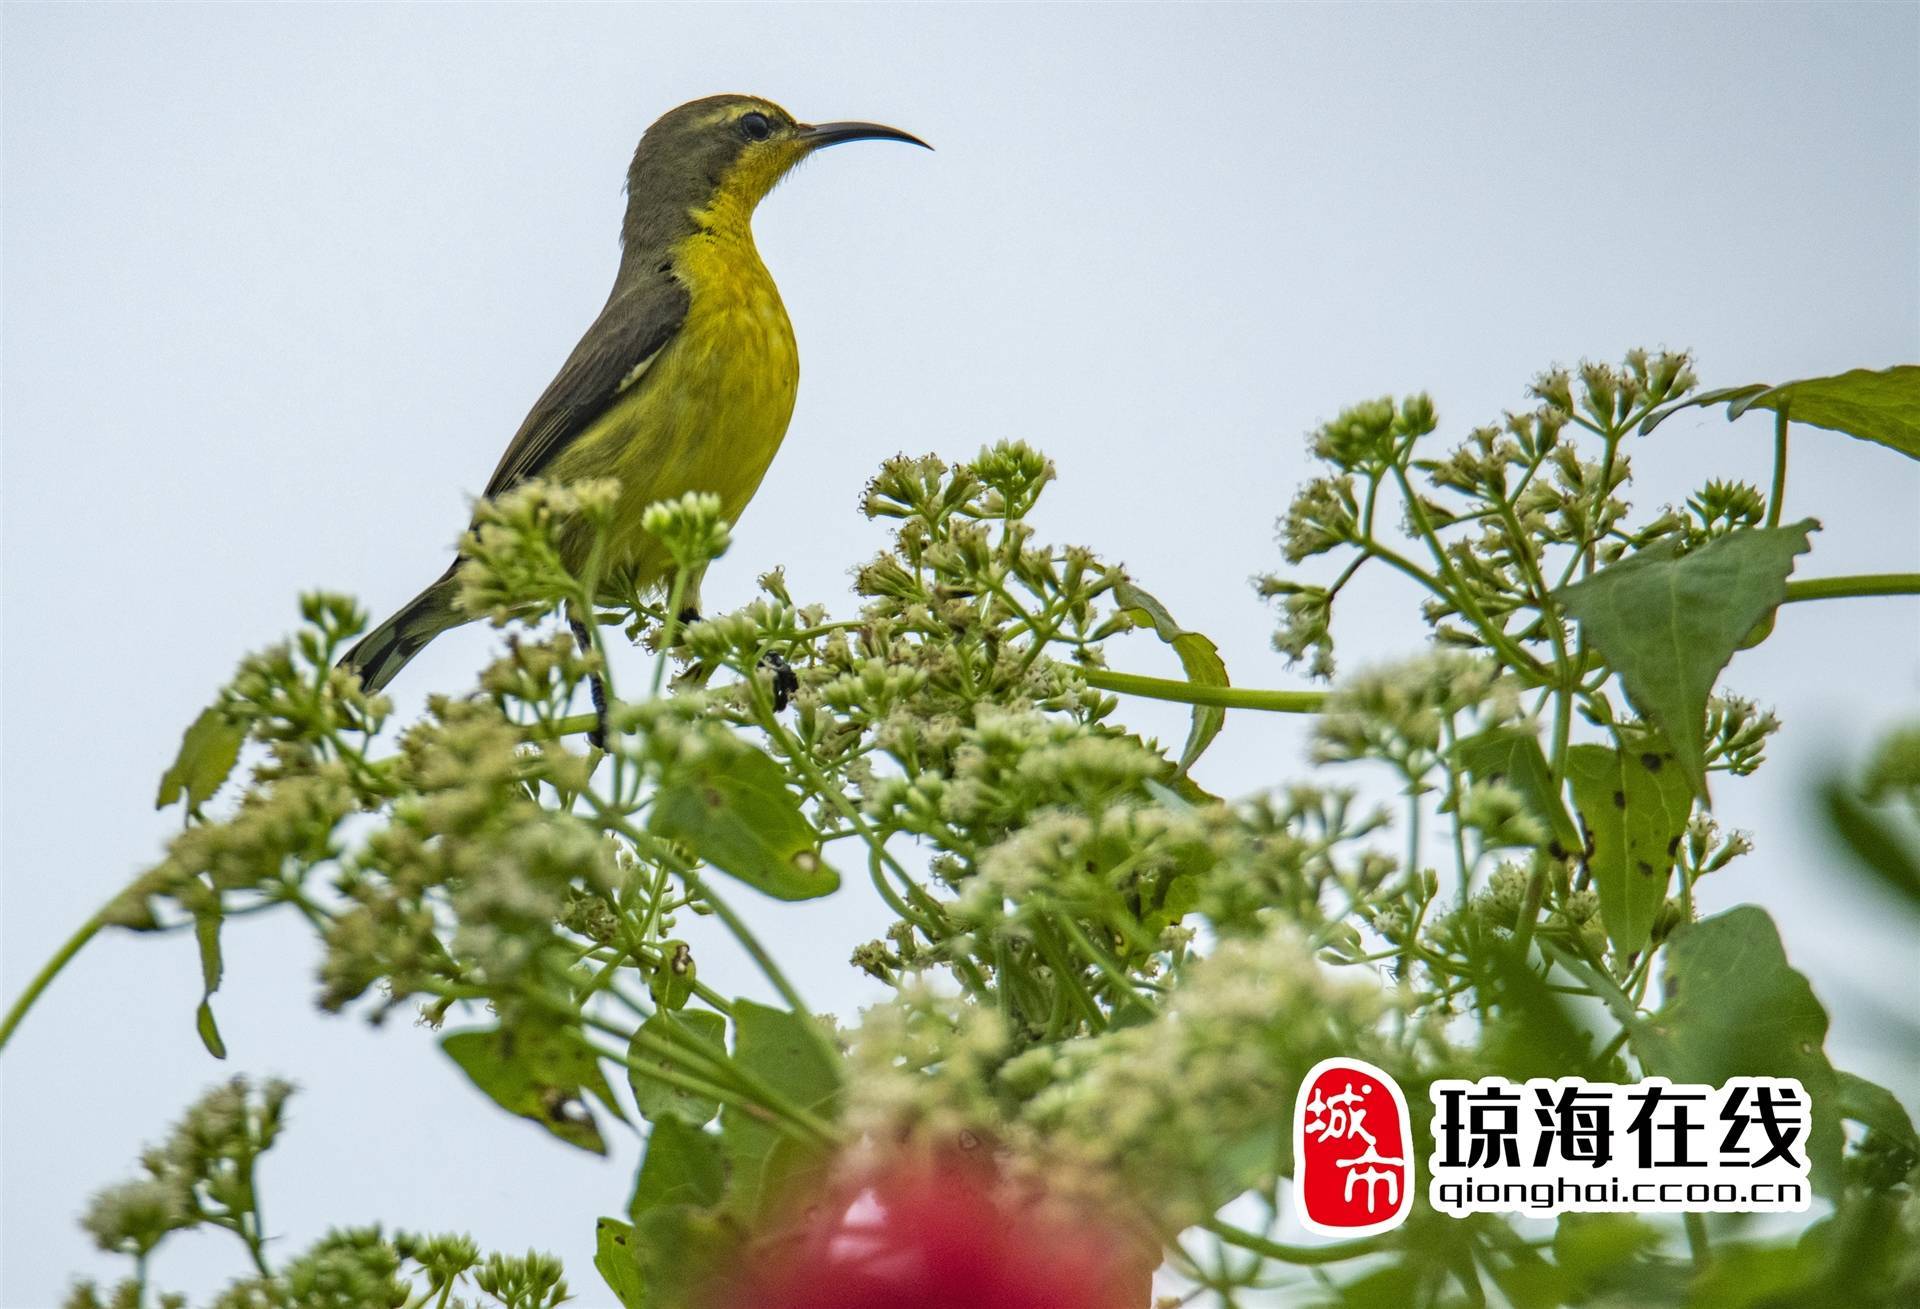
(726, 152)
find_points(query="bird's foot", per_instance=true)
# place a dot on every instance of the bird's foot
(597, 686)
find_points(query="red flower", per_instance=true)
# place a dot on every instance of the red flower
(942, 1235)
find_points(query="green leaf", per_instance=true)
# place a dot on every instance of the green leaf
(209, 1031)
(682, 1250)
(1759, 1277)
(1181, 802)
(1198, 656)
(671, 985)
(1736, 1008)
(1183, 788)
(1894, 766)
(1882, 407)
(684, 1165)
(208, 751)
(1873, 1106)
(783, 1050)
(1635, 806)
(678, 1241)
(206, 934)
(533, 1070)
(1533, 1032)
(1513, 756)
(1880, 842)
(1614, 1259)
(1528, 1281)
(787, 1051)
(1393, 1287)
(730, 805)
(1668, 623)
(1591, 1245)
(658, 1101)
(618, 1262)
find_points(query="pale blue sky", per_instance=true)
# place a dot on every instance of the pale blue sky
(280, 282)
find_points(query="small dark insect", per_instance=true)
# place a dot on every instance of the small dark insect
(785, 680)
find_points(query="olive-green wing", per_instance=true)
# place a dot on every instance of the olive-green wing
(630, 332)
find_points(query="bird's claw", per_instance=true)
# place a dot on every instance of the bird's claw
(597, 738)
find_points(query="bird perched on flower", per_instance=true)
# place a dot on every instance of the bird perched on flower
(686, 380)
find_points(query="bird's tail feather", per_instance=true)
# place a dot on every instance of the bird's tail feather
(385, 650)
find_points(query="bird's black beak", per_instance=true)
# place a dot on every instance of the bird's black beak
(820, 135)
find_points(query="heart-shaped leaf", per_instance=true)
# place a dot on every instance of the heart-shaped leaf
(730, 805)
(618, 1263)
(657, 1100)
(534, 1070)
(1513, 756)
(1736, 1008)
(684, 1165)
(1668, 623)
(1635, 805)
(779, 1048)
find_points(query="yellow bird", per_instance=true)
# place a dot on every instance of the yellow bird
(686, 380)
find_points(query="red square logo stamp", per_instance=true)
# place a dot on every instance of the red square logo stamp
(1352, 1150)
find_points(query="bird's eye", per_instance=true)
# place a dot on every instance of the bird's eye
(755, 127)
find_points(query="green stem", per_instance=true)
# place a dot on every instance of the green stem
(1410, 946)
(257, 1238)
(1460, 595)
(1697, 1240)
(1121, 981)
(793, 1121)
(1563, 663)
(1609, 993)
(254, 1241)
(1779, 493)
(572, 725)
(801, 758)
(1226, 697)
(697, 885)
(669, 628)
(657, 959)
(1530, 904)
(1613, 1047)
(1292, 1254)
(877, 874)
(715, 1069)
(1860, 584)
(1067, 977)
(42, 979)
(1152, 688)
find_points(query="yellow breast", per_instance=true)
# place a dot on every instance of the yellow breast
(710, 412)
